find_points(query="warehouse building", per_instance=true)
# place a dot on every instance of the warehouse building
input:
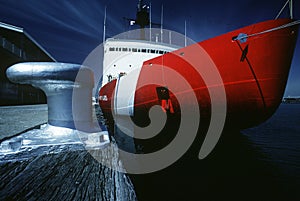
(18, 46)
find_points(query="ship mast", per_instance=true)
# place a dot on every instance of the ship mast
(291, 9)
(150, 29)
(142, 17)
(104, 25)
(161, 23)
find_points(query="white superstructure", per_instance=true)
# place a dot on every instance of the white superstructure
(122, 56)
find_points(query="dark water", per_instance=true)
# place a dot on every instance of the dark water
(261, 163)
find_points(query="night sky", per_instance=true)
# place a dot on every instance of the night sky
(70, 29)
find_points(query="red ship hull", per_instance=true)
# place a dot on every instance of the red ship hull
(253, 75)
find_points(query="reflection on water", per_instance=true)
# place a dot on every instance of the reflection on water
(260, 163)
(233, 171)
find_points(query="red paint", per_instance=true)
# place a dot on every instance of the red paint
(254, 85)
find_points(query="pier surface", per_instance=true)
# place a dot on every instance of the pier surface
(55, 172)
(16, 119)
(66, 174)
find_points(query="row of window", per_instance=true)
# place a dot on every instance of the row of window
(125, 49)
(4, 43)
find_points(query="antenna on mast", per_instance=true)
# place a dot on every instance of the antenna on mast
(161, 23)
(150, 31)
(184, 33)
(104, 25)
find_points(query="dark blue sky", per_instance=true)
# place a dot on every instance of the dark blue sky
(70, 29)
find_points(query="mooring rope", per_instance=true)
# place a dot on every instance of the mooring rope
(245, 36)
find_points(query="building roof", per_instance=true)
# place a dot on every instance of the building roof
(19, 30)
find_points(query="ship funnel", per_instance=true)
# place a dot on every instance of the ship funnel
(68, 88)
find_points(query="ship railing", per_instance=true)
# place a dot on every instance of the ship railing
(171, 38)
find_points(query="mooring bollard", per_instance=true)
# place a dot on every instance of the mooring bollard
(68, 88)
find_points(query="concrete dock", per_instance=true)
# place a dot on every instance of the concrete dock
(16, 119)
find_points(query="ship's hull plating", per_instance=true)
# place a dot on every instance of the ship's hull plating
(253, 75)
